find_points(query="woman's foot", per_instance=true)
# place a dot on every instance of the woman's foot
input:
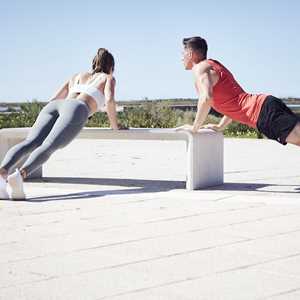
(3, 186)
(15, 186)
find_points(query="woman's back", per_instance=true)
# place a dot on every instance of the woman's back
(85, 86)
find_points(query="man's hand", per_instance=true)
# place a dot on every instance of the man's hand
(214, 127)
(186, 127)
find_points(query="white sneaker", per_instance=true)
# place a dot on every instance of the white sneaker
(3, 191)
(15, 186)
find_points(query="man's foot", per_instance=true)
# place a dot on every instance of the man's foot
(15, 186)
(3, 191)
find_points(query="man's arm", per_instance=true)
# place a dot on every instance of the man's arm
(205, 79)
(204, 84)
(221, 126)
(225, 121)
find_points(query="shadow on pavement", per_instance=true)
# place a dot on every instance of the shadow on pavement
(257, 187)
(146, 186)
(139, 186)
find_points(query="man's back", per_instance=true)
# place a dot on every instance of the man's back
(231, 100)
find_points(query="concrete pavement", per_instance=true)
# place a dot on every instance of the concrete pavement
(112, 220)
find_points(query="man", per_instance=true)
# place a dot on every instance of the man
(217, 88)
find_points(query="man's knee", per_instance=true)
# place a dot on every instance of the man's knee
(294, 135)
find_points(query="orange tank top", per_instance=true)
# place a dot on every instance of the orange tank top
(231, 100)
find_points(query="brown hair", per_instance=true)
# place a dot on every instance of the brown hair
(196, 43)
(103, 61)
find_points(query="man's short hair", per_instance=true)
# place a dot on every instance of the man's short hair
(196, 43)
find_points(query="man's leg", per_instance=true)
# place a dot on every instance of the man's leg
(294, 136)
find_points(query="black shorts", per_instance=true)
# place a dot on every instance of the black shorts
(276, 120)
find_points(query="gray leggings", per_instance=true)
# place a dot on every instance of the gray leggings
(56, 126)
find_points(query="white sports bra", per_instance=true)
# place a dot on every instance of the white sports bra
(91, 91)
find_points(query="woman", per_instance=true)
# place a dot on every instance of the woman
(60, 121)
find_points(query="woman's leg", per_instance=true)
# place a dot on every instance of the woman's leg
(3, 191)
(73, 115)
(35, 138)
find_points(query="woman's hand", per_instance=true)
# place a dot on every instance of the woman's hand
(122, 127)
(119, 127)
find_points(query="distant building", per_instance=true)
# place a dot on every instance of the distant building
(3, 108)
(9, 109)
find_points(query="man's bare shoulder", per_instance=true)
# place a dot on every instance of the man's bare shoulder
(202, 67)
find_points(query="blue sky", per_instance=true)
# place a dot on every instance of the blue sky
(43, 43)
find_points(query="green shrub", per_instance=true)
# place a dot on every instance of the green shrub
(240, 130)
(150, 116)
(25, 118)
(147, 115)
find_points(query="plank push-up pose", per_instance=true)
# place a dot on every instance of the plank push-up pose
(60, 121)
(217, 88)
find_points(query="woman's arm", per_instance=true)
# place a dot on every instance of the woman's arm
(109, 93)
(62, 92)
